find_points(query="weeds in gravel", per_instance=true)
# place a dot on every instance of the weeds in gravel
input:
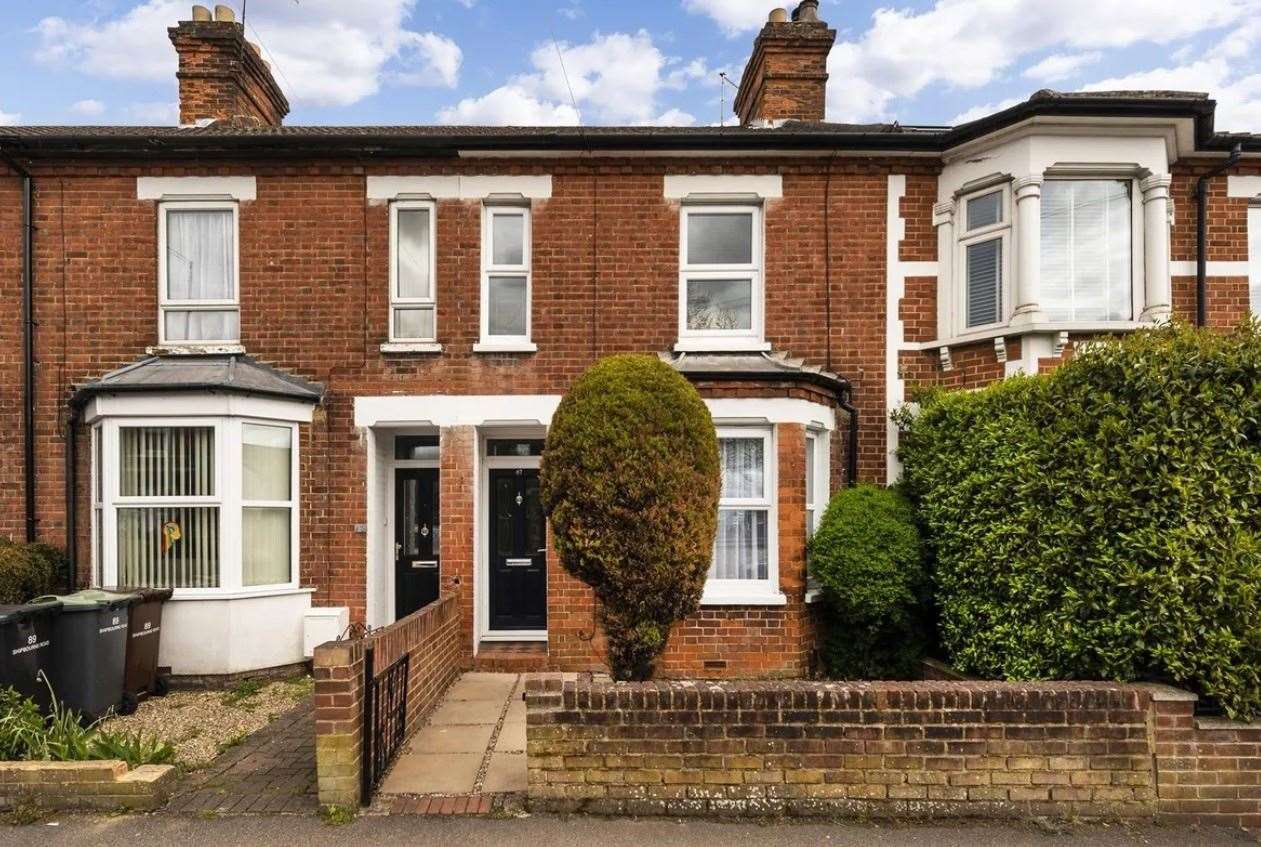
(24, 813)
(243, 690)
(336, 815)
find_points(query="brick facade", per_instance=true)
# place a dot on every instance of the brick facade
(887, 749)
(223, 77)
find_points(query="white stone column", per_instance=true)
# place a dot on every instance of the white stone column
(944, 221)
(1157, 293)
(1028, 264)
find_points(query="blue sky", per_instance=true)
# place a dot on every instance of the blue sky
(628, 61)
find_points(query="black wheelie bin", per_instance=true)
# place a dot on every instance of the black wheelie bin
(26, 648)
(89, 651)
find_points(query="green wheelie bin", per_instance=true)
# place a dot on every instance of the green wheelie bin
(89, 651)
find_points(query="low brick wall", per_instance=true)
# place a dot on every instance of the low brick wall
(923, 749)
(430, 638)
(104, 786)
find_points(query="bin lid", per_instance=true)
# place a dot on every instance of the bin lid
(143, 595)
(90, 600)
(25, 611)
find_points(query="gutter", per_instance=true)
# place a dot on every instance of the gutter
(1201, 232)
(28, 341)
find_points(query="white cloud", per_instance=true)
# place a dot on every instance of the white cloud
(615, 78)
(88, 108)
(327, 52)
(968, 44)
(572, 10)
(1061, 66)
(978, 112)
(9, 118)
(733, 16)
(154, 113)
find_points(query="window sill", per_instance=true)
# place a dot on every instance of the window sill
(751, 597)
(505, 347)
(411, 347)
(182, 595)
(219, 349)
(1018, 330)
(721, 345)
(814, 595)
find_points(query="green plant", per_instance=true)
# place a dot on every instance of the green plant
(630, 481)
(242, 690)
(1103, 521)
(21, 725)
(65, 738)
(336, 815)
(133, 748)
(26, 571)
(868, 560)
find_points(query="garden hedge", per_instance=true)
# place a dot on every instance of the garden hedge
(1102, 521)
(28, 570)
(866, 556)
(630, 482)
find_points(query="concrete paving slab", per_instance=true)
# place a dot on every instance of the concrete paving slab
(497, 687)
(511, 737)
(452, 738)
(468, 712)
(433, 773)
(507, 772)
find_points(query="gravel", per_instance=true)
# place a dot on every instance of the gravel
(202, 724)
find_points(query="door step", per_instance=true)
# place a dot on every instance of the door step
(511, 656)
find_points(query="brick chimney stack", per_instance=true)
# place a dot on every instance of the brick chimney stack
(786, 77)
(222, 76)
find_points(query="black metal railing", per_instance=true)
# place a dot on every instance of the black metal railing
(384, 718)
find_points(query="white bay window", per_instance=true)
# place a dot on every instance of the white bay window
(744, 566)
(985, 245)
(1087, 250)
(720, 277)
(198, 264)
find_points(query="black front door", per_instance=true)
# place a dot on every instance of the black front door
(415, 539)
(518, 551)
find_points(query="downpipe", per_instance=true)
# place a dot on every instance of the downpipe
(28, 342)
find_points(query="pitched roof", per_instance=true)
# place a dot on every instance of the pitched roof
(229, 373)
(752, 366)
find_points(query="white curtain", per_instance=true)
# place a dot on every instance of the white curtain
(265, 462)
(1086, 250)
(200, 266)
(265, 553)
(741, 544)
(266, 465)
(413, 254)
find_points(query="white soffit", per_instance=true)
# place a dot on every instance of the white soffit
(459, 187)
(763, 186)
(1243, 186)
(167, 187)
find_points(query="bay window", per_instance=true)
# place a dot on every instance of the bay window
(985, 246)
(1087, 250)
(198, 300)
(720, 276)
(413, 307)
(202, 505)
(505, 279)
(817, 484)
(744, 563)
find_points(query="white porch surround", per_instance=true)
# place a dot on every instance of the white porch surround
(512, 415)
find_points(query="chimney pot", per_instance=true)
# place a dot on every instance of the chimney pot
(224, 14)
(807, 11)
(219, 78)
(786, 77)
(778, 16)
(201, 13)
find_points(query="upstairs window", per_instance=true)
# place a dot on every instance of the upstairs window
(720, 278)
(413, 308)
(506, 278)
(198, 269)
(1087, 252)
(986, 244)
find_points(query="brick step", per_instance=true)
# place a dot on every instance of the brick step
(511, 656)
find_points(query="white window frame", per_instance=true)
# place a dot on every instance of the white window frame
(239, 424)
(396, 300)
(966, 238)
(819, 473)
(225, 305)
(753, 592)
(227, 498)
(97, 500)
(753, 338)
(506, 343)
(1254, 256)
(1137, 243)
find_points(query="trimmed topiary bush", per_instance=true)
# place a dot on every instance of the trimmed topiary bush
(867, 558)
(1103, 521)
(630, 482)
(27, 570)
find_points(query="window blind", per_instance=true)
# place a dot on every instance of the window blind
(985, 277)
(1086, 250)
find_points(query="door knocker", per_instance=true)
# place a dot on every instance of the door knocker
(424, 531)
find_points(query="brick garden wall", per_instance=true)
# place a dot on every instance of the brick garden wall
(431, 640)
(100, 786)
(931, 749)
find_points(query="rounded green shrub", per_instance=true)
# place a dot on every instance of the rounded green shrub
(630, 481)
(867, 558)
(1103, 521)
(27, 570)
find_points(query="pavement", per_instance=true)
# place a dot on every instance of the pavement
(472, 745)
(307, 830)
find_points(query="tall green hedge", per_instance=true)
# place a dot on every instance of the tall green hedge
(630, 482)
(28, 570)
(1102, 521)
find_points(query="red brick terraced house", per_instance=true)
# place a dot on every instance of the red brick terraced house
(303, 374)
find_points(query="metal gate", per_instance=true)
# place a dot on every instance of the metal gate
(384, 717)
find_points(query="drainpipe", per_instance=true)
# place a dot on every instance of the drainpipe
(28, 340)
(1201, 233)
(846, 405)
(72, 505)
